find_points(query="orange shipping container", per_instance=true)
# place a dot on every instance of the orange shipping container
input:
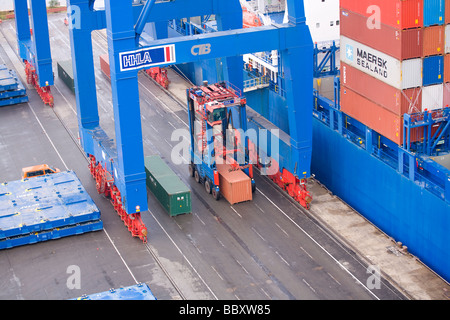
(447, 11)
(372, 115)
(375, 116)
(235, 186)
(433, 40)
(401, 14)
(447, 68)
(397, 101)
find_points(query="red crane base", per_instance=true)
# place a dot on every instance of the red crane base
(32, 78)
(159, 75)
(295, 187)
(105, 185)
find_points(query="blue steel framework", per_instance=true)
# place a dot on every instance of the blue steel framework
(410, 160)
(325, 61)
(119, 170)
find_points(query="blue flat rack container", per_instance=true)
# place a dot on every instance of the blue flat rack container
(11, 89)
(433, 70)
(43, 204)
(139, 291)
(53, 234)
(8, 80)
(13, 100)
(433, 12)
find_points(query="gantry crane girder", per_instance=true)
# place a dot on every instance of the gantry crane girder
(124, 22)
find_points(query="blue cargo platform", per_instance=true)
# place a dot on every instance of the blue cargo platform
(44, 208)
(139, 291)
(11, 89)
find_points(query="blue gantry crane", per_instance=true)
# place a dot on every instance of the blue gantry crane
(119, 167)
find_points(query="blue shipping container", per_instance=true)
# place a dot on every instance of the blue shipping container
(433, 12)
(139, 291)
(44, 203)
(433, 70)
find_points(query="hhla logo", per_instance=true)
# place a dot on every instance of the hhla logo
(374, 20)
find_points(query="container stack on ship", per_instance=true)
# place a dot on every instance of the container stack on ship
(387, 129)
(394, 65)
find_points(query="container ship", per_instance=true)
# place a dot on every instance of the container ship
(380, 109)
(362, 129)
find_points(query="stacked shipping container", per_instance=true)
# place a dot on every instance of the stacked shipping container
(395, 59)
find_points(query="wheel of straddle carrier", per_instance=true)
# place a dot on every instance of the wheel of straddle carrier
(208, 186)
(196, 176)
(215, 194)
(191, 170)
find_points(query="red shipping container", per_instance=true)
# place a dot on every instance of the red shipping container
(447, 68)
(433, 40)
(400, 44)
(234, 185)
(402, 14)
(376, 117)
(372, 115)
(397, 101)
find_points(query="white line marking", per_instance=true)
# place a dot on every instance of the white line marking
(129, 270)
(172, 125)
(259, 234)
(266, 293)
(167, 142)
(153, 128)
(307, 253)
(48, 137)
(199, 219)
(334, 278)
(162, 103)
(182, 254)
(309, 285)
(282, 229)
(68, 103)
(236, 211)
(282, 258)
(126, 265)
(329, 254)
(221, 243)
(242, 267)
(158, 112)
(217, 272)
(259, 207)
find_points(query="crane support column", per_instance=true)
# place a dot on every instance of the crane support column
(84, 72)
(22, 27)
(127, 118)
(41, 43)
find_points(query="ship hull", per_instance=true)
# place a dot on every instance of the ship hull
(399, 207)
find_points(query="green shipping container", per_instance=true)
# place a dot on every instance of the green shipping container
(65, 73)
(167, 187)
